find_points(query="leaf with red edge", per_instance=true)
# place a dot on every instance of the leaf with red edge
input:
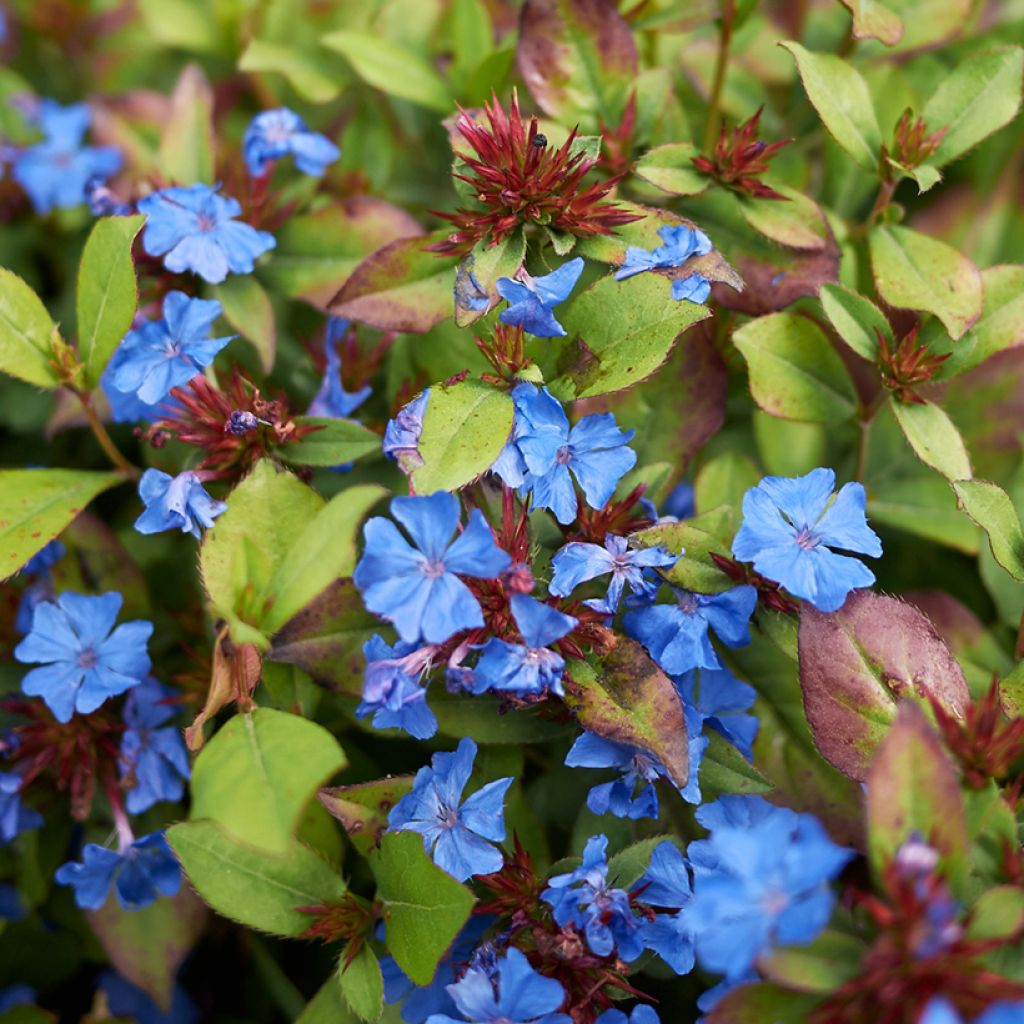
(363, 809)
(856, 664)
(624, 697)
(913, 787)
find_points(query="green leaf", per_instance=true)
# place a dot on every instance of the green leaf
(934, 438)
(797, 223)
(181, 23)
(831, 960)
(795, 372)
(671, 169)
(912, 786)
(335, 442)
(362, 984)
(991, 508)
(789, 447)
(472, 35)
(465, 428)
(251, 780)
(328, 1006)
(629, 328)
(312, 73)
(27, 334)
(187, 144)
(855, 320)
(841, 97)
(106, 295)
(873, 20)
(627, 866)
(924, 506)
(913, 271)
(480, 270)
(625, 697)
(400, 287)
(723, 769)
(697, 537)
(487, 719)
(256, 888)
(36, 504)
(390, 67)
(363, 809)
(423, 907)
(761, 1003)
(978, 97)
(247, 308)
(723, 480)
(148, 946)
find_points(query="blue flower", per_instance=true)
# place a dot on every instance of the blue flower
(421, 1001)
(677, 635)
(55, 171)
(641, 1014)
(761, 879)
(164, 354)
(193, 229)
(275, 133)
(11, 906)
(44, 559)
(680, 243)
(666, 884)
(604, 915)
(176, 503)
(126, 406)
(531, 300)
(416, 588)
(790, 526)
(145, 868)
(720, 699)
(15, 817)
(16, 995)
(941, 1011)
(455, 836)
(83, 662)
(529, 667)
(577, 562)
(391, 689)
(594, 451)
(129, 1001)
(514, 993)
(153, 759)
(332, 399)
(402, 434)
(692, 288)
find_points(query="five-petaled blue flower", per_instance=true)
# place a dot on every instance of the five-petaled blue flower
(332, 399)
(417, 589)
(761, 879)
(402, 434)
(666, 884)
(84, 663)
(153, 756)
(531, 300)
(677, 634)
(584, 898)
(790, 526)
(577, 562)
(391, 688)
(595, 452)
(145, 868)
(276, 133)
(54, 172)
(456, 836)
(529, 667)
(194, 230)
(164, 354)
(176, 503)
(15, 817)
(720, 699)
(513, 994)
(942, 1011)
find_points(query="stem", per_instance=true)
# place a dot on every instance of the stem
(100, 432)
(882, 200)
(724, 41)
(862, 450)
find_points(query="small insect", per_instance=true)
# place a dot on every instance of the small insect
(540, 141)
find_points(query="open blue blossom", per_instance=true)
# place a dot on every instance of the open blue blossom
(458, 836)
(584, 898)
(276, 133)
(531, 300)
(54, 172)
(421, 1001)
(641, 1014)
(16, 995)
(126, 406)
(577, 562)
(402, 434)
(594, 451)
(417, 589)
(790, 526)
(154, 760)
(761, 879)
(332, 399)
(721, 700)
(12, 907)
(391, 689)
(130, 1002)
(941, 1011)
(194, 230)
(529, 667)
(176, 503)
(513, 994)
(164, 354)
(666, 884)
(15, 817)
(145, 868)
(84, 663)
(677, 634)
(679, 244)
